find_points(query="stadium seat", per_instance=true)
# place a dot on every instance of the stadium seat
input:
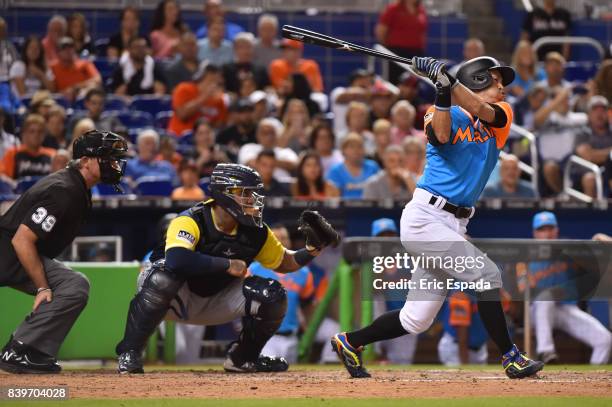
(151, 104)
(133, 120)
(154, 186)
(23, 184)
(113, 102)
(186, 139)
(61, 100)
(105, 66)
(162, 119)
(5, 188)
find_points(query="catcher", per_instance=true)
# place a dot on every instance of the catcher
(199, 274)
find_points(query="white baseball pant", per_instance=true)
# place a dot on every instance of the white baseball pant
(448, 351)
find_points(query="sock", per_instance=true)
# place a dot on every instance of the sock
(492, 315)
(387, 326)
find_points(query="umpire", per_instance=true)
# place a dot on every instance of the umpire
(37, 228)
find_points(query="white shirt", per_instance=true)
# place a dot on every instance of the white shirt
(32, 83)
(557, 136)
(249, 151)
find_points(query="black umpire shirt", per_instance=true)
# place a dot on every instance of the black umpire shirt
(54, 209)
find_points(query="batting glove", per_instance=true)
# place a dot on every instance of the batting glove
(429, 67)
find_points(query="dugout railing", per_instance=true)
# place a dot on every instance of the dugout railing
(586, 166)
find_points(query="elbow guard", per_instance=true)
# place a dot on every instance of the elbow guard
(189, 263)
(500, 119)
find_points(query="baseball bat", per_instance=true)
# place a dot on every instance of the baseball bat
(322, 40)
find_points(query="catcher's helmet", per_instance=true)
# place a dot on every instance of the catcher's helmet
(237, 189)
(475, 74)
(109, 148)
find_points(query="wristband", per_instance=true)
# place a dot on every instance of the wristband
(303, 257)
(443, 97)
(41, 289)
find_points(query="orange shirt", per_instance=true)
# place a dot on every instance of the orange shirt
(67, 76)
(188, 194)
(20, 162)
(280, 71)
(213, 108)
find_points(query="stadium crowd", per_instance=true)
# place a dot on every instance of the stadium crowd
(188, 100)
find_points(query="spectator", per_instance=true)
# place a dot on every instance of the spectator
(359, 88)
(81, 127)
(299, 288)
(510, 184)
(414, 153)
(56, 30)
(128, 29)
(408, 87)
(357, 122)
(382, 139)
(94, 102)
(60, 160)
(41, 102)
(78, 30)
(603, 80)
(350, 176)
(201, 97)
(594, 143)
(261, 108)
(268, 132)
(190, 189)
(137, 73)
(186, 65)
(297, 126)
(465, 338)
(166, 29)
(242, 131)
(551, 313)
(30, 158)
(524, 62)
(554, 65)
(243, 66)
(71, 74)
(383, 97)
(30, 73)
(526, 107)
(167, 152)
(549, 20)
(213, 9)
(323, 141)
(267, 46)
(297, 87)
(214, 48)
(265, 164)
(206, 151)
(7, 140)
(8, 52)
(144, 164)
(472, 48)
(56, 135)
(310, 183)
(402, 117)
(291, 61)
(557, 127)
(402, 28)
(394, 181)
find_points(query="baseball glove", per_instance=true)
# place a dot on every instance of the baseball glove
(317, 230)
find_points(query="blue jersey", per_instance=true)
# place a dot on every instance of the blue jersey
(299, 286)
(459, 169)
(349, 186)
(460, 309)
(560, 275)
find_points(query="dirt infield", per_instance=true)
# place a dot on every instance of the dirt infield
(303, 383)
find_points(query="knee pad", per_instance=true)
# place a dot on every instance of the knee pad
(265, 297)
(159, 288)
(413, 323)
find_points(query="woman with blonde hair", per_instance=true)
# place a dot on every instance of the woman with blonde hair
(357, 121)
(297, 126)
(78, 30)
(524, 62)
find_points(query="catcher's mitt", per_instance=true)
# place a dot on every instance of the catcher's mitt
(317, 230)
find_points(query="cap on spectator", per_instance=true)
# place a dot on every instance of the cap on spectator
(287, 43)
(359, 73)
(383, 225)
(41, 98)
(65, 42)
(554, 56)
(408, 79)
(257, 96)
(598, 100)
(241, 105)
(545, 218)
(384, 88)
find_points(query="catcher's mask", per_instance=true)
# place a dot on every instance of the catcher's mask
(237, 189)
(109, 148)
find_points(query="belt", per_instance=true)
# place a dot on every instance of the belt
(459, 211)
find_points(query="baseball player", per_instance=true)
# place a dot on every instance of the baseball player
(464, 144)
(37, 228)
(198, 274)
(564, 315)
(299, 286)
(464, 339)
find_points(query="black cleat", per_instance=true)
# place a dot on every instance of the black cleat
(518, 366)
(271, 364)
(20, 358)
(130, 362)
(262, 364)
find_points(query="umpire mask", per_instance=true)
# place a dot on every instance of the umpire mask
(109, 148)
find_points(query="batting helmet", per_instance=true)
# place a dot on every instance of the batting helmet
(236, 188)
(475, 74)
(109, 148)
